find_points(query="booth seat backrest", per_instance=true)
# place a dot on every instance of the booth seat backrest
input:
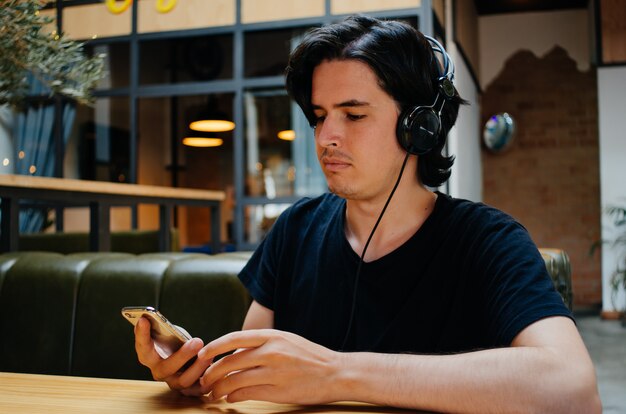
(60, 314)
(132, 241)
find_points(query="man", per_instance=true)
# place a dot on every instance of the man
(384, 291)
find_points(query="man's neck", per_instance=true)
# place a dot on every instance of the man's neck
(407, 211)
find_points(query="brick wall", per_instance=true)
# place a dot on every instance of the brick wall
(548, 179)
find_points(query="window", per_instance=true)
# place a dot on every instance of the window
(99, 146)
(190, 59)
(280, 159)
(191, 68)
(116, 64)
(266, 52)
(164, 159)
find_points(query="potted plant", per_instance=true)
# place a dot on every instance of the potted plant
(27, 49)
(618, 278)
(37, 63)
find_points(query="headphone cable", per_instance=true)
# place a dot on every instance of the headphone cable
(367, 243)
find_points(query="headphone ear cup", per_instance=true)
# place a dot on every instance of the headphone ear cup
(418, 130)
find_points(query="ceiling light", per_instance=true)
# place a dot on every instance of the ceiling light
(202, 142)
(287, 135)
(212, 125)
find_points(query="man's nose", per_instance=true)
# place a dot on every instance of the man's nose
(329, 133)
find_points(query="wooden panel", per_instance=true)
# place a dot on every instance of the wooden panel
(51, 184)
(253, 11)
(439, 7)
(466, 31)
(95, 20)
(186, 14)
(361, 6)
(613, 24)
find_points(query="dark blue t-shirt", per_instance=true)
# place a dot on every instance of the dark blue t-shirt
(470, 278)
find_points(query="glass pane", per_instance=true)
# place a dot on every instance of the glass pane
(193, 59)
(280, 157)
(116, 64)
(258, 220)
(163, 159)
(266, 52)
(99, 146)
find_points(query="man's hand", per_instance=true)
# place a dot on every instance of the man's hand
(169, 369)
(270, 365)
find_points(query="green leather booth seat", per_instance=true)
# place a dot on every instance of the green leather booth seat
(133, 241)
(60, 314)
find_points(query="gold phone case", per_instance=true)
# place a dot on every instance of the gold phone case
(168, 337)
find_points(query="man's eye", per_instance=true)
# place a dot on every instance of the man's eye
(317, 121)
(354, 117)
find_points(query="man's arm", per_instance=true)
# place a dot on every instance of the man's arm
(258, 317)
(547, 369)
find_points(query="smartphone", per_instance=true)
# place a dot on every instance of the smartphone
(167, 337)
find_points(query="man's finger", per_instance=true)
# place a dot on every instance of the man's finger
(238, 361)
(239, 380)
(192, 374)
(252, 338)
(144, 345)
(173, 364)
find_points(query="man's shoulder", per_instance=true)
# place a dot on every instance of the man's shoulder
(469, 211)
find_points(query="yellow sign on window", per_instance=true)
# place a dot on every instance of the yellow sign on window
(117, 7)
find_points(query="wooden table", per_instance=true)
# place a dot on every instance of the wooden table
(100, 196)
(49, 394)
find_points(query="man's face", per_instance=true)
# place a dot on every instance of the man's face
(355, 130)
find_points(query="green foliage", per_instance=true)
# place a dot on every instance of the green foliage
(618, 279)
(57, 62)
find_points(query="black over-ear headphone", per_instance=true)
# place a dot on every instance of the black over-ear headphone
(419, 126)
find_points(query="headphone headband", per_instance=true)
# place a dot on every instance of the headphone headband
(448, 63)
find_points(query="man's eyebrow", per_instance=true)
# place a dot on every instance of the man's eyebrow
(346, 104)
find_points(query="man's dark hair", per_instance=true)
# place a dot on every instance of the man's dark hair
(400, 56)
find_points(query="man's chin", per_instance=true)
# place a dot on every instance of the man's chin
(342, 192)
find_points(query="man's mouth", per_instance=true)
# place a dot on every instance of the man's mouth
(334, 164)
(334, 161)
